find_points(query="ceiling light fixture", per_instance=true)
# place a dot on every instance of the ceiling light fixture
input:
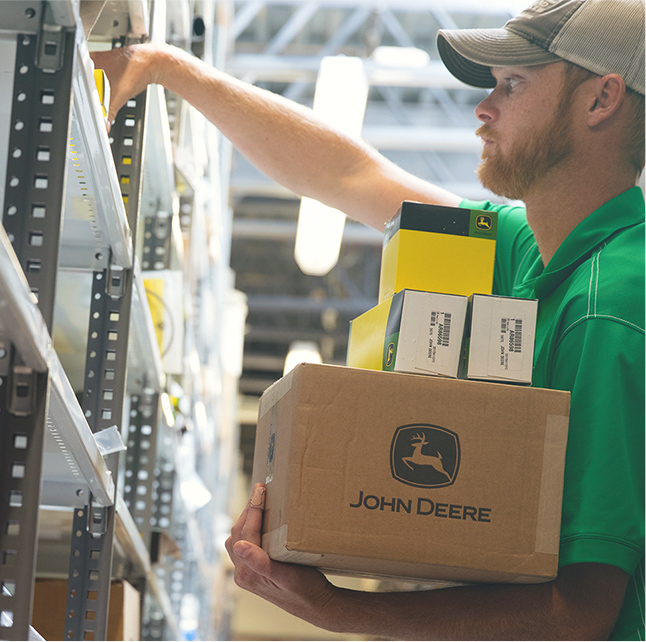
(404, 57)
(301, 352)
(340, 97)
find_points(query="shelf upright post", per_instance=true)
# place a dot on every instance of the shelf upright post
(157, 241)
(140, 459)
(35, 177)
(23, 412)
(154, 621)
(127, 140)
(103, 396)
(104, 392)
(36, 167)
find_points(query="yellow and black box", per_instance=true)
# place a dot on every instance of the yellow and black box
(103, 87)
(433, 248)
(415, 332)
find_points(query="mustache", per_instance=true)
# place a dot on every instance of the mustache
(485, 131)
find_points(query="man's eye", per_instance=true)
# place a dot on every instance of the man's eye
(511, 82)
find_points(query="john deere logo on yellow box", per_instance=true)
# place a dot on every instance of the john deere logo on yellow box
(390, 354)
(425, 455)
(484, 222)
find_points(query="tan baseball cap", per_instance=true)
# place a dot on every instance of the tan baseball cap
(603, 36)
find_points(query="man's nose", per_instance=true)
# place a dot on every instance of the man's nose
(486, 110)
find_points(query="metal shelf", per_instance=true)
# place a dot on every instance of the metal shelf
(128, 538)
(56, 524)
(133, 549)
(92, 355)
(72, 463)
(144, 357)
(71, 322)
(95, 227)
(158, 193)
(72, 458)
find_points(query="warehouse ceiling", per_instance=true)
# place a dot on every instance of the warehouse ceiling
(420, 118)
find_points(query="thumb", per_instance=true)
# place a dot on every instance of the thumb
(254, 557)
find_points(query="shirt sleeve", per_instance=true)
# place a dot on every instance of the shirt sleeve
(515, 244)
(603, 503)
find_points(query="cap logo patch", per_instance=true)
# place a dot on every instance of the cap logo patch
(541, 6)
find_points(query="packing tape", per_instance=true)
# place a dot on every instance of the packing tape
(274, 394)
(549, 506)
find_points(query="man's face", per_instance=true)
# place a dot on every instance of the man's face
(527, 131)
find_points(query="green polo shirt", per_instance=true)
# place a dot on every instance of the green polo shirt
(590, 341)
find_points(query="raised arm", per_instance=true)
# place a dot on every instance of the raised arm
(280, 137)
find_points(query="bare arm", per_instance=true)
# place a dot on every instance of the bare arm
(282, 138)
(582, 603)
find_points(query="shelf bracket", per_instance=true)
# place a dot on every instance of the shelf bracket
(22, 394)
(51, 43)
(116, 282)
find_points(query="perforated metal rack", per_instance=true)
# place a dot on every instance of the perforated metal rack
(67, 221)
(87, 218)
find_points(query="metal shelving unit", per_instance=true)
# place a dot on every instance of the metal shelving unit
(90, 221)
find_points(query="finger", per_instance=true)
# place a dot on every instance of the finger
(236, 529)
(252, 527)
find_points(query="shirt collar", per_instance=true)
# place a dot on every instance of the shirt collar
(621, 212)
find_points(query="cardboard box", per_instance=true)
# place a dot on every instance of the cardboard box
(433, 248)
(416, 332)
(50, 604)
(426, 478)
(501, 340)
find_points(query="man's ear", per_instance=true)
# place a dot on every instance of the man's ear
(609, 92)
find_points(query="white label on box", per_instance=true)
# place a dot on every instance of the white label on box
(439, 338)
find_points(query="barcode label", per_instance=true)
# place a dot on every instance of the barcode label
(439, 333)
(511, 343)
(511, 331)
(516, 337)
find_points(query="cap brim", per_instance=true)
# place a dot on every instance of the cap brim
(469, 54)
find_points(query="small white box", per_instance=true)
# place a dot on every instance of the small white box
(501, 333)
(416, 332)
(430, 339)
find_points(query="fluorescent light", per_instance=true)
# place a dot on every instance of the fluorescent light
(404, 57)
(194, 492)
(234, 318)
(301, 352)
(340, 97)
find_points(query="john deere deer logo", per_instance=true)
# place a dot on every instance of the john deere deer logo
(390, 353)
(484, 222)
(425, 455)
(420, 459)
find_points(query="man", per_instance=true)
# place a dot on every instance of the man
(568, 140)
